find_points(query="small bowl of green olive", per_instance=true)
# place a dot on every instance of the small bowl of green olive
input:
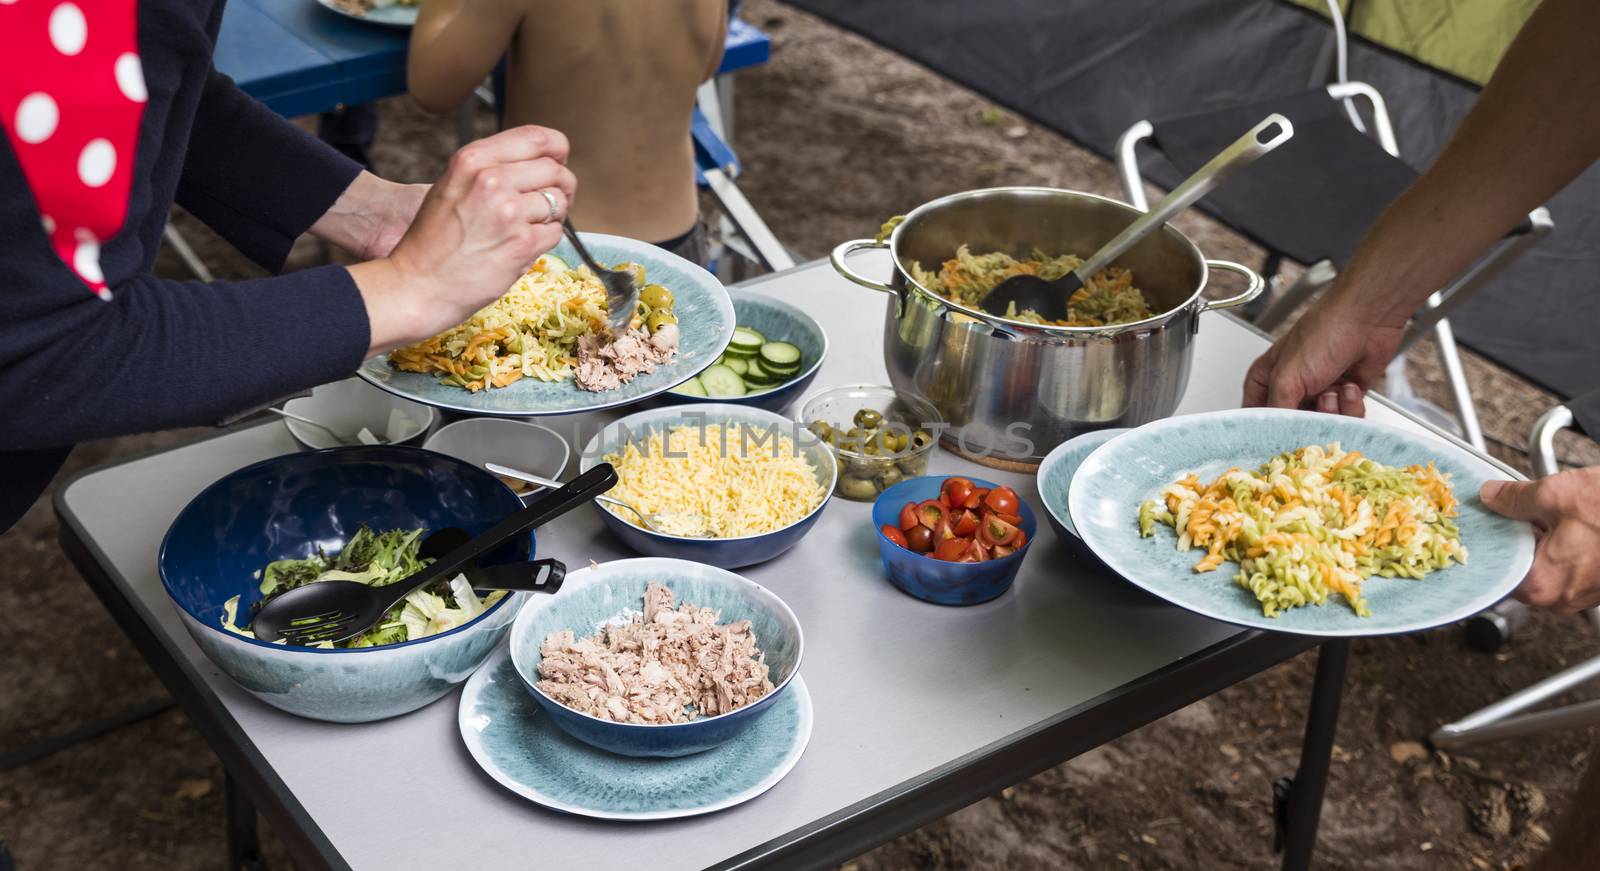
(878, 436)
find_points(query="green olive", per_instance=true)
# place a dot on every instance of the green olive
(914, 465)
(635, 268)
(869, 418)
(656, 296)
(822, 429)
(861, 489)
(655, 320)
(921, 439)
(897, 442)
(890, 477)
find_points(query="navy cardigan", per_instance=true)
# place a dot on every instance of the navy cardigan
(163, 353)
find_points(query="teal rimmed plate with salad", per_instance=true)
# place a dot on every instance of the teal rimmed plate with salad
(543, 348)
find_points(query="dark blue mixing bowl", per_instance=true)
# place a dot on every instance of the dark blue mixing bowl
(290, 506)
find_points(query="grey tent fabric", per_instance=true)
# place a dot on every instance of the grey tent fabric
(1089, 69)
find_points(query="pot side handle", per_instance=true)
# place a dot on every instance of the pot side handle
(1251, 291)
(844, 250)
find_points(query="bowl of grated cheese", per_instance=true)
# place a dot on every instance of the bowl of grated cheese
(756, 481)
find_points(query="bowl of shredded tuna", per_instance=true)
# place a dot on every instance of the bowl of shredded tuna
(656, 656)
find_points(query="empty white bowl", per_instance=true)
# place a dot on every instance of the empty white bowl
(519, 444)
(349, 405)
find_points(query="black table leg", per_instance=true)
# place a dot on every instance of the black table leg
(244, 849)
(1298, 799)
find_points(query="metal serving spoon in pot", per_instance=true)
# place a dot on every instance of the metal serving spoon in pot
(652, 522)
(1049, 297)
(334, 611)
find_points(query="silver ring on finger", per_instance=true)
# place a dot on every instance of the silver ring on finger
(550, 200)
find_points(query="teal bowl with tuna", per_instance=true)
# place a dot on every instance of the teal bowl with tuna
(599, 595)
(777, 321)
(291, 506)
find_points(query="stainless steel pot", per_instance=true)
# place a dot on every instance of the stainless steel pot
(1012, 391)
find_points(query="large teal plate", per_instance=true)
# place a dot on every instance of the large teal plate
(1113, 480)
(518, 745)
(705, 323)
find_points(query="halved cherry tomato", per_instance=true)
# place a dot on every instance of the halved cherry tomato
(978, 551)
(895, 536)
(943, 532)
(931, 513)
(908, 517)
(996, 531)
(1013, 519)
(955, 490)
(965, 524)
(1001, 551)
(1002, 500)
(920, 538)
(951, 550)
(1022, 540)
(974, 498)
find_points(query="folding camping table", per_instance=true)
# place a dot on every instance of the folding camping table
(920, 709)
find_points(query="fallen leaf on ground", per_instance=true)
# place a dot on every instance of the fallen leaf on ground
(188, 790)
(1405, 751)
(1229, 751)
(1539, 833)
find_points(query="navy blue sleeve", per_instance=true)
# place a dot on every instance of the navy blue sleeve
(165, 354)
(255, 178)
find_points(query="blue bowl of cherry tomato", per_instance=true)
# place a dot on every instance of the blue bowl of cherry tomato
(952, 540)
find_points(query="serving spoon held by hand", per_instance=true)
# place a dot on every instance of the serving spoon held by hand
(1048, 297)
(334, 611)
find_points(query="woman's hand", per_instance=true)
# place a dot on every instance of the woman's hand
(496, 208)
(370, 216)
(1565, 508)
(1328, 360)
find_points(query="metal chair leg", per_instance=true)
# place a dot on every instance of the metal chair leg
(1497, 721)
(197, 267)
(1316, 277)
(1298, 799)
(1460, 391)
(768, 249)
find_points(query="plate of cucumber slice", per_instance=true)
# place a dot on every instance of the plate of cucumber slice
(774, 353)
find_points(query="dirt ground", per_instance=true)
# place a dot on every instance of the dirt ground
(835, 135)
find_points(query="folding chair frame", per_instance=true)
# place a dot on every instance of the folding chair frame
(1505, 718)
(1321, 274)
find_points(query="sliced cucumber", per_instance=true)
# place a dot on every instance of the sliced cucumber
(733, 352)
(555, 264)
(780, 354)
(755, 369)
(720, 381)
(692, 387)
(758, 386)
(738, 365)
(783, 371)
(746, 340)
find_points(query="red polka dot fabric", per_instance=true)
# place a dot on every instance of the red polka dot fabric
(71, 100)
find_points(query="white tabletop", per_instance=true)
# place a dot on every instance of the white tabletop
(902, 689)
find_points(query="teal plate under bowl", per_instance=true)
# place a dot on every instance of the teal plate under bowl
(1108, 488)
(517, 744)
(705, 324)
(1057, 469)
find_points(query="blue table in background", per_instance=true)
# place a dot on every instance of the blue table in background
(301, 59)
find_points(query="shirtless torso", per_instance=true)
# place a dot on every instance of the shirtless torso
(618, 77)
